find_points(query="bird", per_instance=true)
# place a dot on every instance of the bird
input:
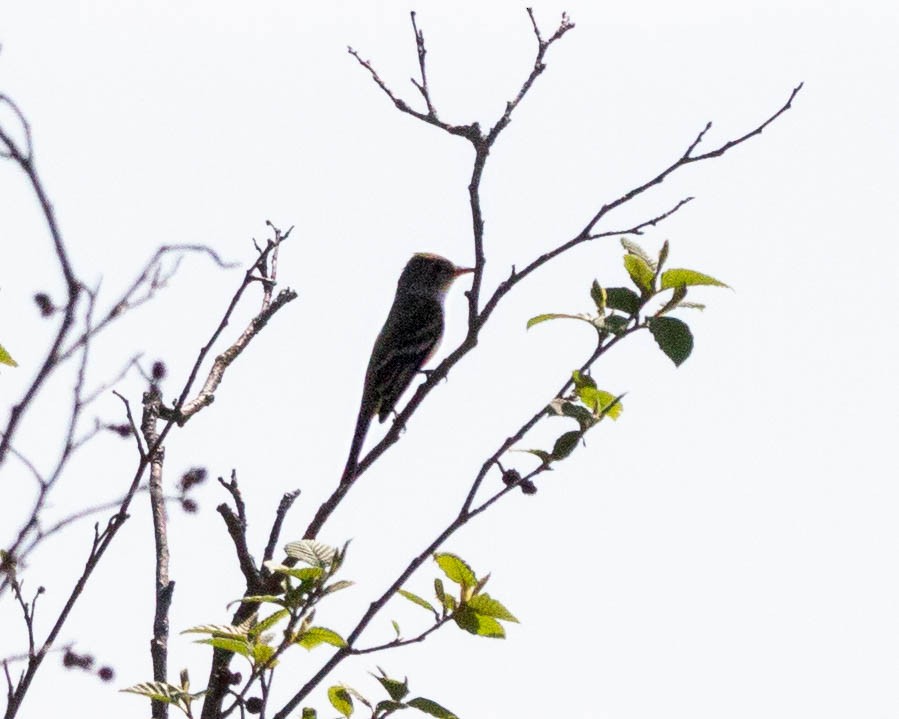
(410, 336)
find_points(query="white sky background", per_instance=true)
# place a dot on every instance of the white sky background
(728, 548)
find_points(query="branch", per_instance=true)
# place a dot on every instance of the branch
(466, 513)
(403, 642)
(183, 409)
(149, 280)
(25, 160)
(482, 145)
(237, 530)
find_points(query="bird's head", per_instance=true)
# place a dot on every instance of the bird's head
(429, 274)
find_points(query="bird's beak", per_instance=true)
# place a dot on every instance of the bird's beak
(462, 271)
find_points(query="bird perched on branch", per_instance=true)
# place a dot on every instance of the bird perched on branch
(407, 340)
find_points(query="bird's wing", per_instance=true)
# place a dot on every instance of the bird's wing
(409, 337)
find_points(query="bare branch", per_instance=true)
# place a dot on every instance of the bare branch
(284, 506)
(403, 642)
(183, 409)
(25, 160)
(151, 278)
(164, 587)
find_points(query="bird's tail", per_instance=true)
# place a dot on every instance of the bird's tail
(363, 422)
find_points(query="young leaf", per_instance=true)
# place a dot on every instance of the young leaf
(565, 444)
(269, 622)
(337, 586)
(634, 249)
(480, 625)
(582, 380)
(219, 630)
(397, 690)
(438, 589)
(663, 255)
(386, 707)
(237, 646)
(341, 700)
(312, 637)
(6, 358)
(613, 407)
(616, 324)
(455, 569)
(676, 298)
(261, 599)
(311, 552)
(673, 337)
(309, 713)
(301, 573)
(431, 707)
(601, 402)
(396, 628)
(583, 415)
(160, 691)
(555, 316)
(415, 599)
(487, 606)
(676, 277)
(641, 273)
(598, 294)
(262, 655)
(623, 299)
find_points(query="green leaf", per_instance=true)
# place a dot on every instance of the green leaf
(386, 707)
(598, 400)
(262, 655)
(555, 316)
(616, 324)
(428, 706)
(582, 380)
(613, 407)
(583, 415)
(566, 443)
(219, 630)
(237, 646)
(6, 358)
(598, 294)
(663, 255)
(301, 573)
(396, 689)
(337, 586)
(676, 277)
(159, 691)
(487, 606)
(312, 637)
(415, 599)
(676, 298)
(473, 623)
(438, 589)
(311, 552)
(455, 569)
(396, 628)
(261, 599)
(309, 713)
(673, 337)
(269, 622)
(623, 299)
(634, 249)
(640, 272)
(341, 700)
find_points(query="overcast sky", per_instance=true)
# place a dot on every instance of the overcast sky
(728, 548)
